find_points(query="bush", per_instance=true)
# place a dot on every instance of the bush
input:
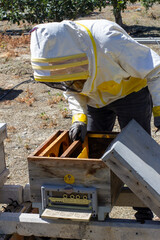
(39, 11)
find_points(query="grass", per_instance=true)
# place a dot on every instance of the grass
(44, 116)
(28, 98)
(66, 113)
(13, 46)
(55, 99)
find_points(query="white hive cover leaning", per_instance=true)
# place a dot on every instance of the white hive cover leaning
(134, 157)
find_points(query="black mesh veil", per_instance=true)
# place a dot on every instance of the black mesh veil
(75, 86)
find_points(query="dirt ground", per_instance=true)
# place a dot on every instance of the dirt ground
(33, 111)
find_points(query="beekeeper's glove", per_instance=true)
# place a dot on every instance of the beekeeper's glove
(78, 129)
(157, 123)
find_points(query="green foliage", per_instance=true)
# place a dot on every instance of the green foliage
(149, 3)
(38, 11)
(118, 7)
(121, 5)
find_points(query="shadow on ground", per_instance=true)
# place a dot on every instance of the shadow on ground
(13, 32)
(9, 94)
(142, 31)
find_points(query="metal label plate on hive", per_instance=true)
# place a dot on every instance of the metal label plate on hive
(68, 202)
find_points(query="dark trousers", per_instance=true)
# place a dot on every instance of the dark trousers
(137, 105)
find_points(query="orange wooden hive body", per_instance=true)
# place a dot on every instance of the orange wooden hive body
(57, 157)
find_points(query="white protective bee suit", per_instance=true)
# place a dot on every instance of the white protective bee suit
(113, 64)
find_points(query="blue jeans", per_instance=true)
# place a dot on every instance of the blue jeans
(137, 105)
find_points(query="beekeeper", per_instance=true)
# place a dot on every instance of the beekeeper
(104, 74)
(103, 71)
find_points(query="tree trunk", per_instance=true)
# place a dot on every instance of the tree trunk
(118, 17)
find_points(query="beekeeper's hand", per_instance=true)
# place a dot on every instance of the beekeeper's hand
(157, 123)
(78, 129)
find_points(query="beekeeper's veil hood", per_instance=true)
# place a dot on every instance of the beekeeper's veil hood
(57, 55)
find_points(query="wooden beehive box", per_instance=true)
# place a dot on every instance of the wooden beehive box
(58, 157)
(3, 170)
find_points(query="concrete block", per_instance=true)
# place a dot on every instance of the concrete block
(3, 131)
(135, 158)
(26, 193)
(28, 224)
(2, 158)
(3, 176)
(3, 170)
(11, 191)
